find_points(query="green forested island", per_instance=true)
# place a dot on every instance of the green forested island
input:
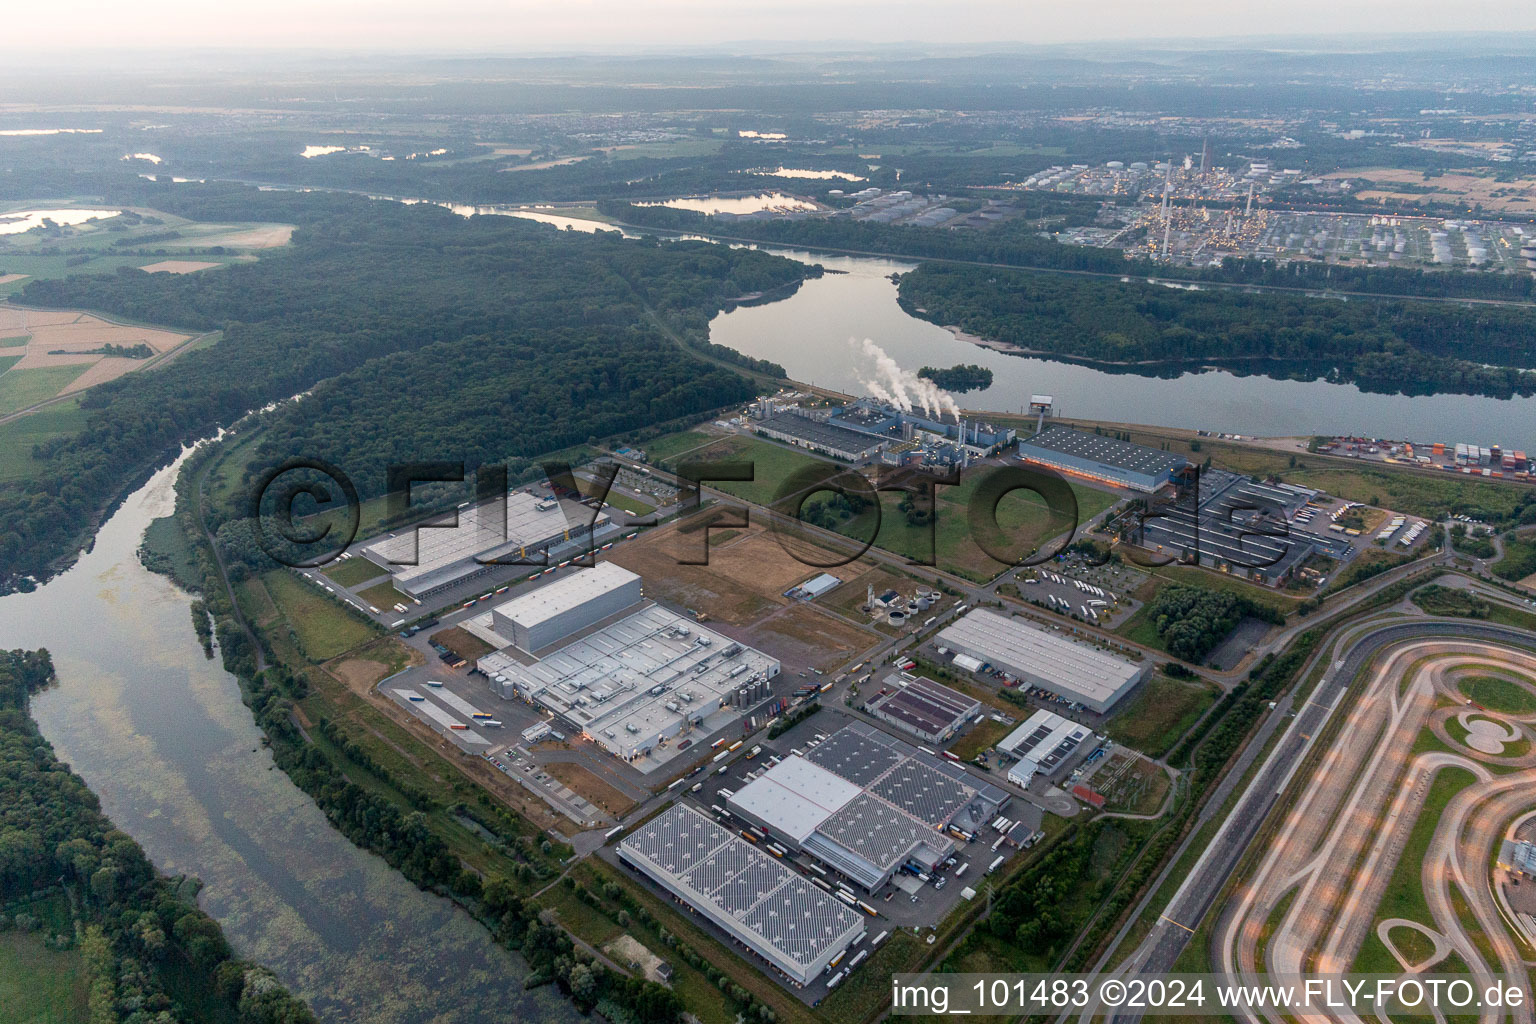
(961, 377)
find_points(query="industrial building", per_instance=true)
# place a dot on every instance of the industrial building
(1093, 678)
(922, 707)
(446, 551)
(1239, 527)
(891, 423)
(798, 428)
(1105, 460)
(630, 677)
(1042, 745)
(542, 617)
(753, 897)
(1518, 857)
(811, 589)
(864, 804)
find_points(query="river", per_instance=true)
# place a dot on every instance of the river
(813, 334)
(160, 734)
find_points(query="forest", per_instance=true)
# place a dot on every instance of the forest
(1192, 620)
(961, 377)
(482, 339)
(1383, 346)
(1017, 242)
(152, 956)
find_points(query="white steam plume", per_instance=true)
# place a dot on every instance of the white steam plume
(902, 388)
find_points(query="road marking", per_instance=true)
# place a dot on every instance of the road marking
(1315, 704)
(1170, 920)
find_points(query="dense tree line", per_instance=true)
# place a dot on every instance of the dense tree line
(130, 923)
(1381, 345)
(488, 338)
(1193, 620)
(1018, 242)
(960, 377)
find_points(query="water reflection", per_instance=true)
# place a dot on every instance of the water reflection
(809, 334)
(161, 736)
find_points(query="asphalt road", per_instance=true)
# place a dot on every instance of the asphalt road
(1167, 940)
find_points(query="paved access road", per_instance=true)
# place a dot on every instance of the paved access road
(1162, 946)
(1337, 851)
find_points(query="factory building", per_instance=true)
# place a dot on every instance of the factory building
(446, 551)
(887, 421)
(931, 712)
(542, 617)
(753, 897)
(1075, 671)
(864, 804)
(631, 677)
(1105, 460)
(803, 431)
(1041, 745)
(1239, 527)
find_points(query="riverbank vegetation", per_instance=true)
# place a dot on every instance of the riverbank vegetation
(392, 794)
(145, 951)
(491, 339)
(1018, 242)
(1382, 346)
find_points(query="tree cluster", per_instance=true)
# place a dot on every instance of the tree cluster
(134, 930)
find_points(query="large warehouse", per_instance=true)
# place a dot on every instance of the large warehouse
(1106, 460)
(922, 707)
(819, 436)
(537, 619)
(437, 555)
(864, 803)
(628, 677)
(756, 899)
(1080, 673)
(1240, 527)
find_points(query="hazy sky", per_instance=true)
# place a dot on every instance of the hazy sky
(518, 25)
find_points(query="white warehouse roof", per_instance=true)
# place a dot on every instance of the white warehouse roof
(1016, 646)
(567, 592)
(795, 795)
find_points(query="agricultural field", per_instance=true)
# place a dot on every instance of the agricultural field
(65, 351)
(1462, 187)
(18, 436)
(39, 985)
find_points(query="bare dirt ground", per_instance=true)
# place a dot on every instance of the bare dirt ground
(177, 267)
(802, 636)
(745, 577)
(261, 236)
(65, 338)
(12, 278)
(588, 786)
